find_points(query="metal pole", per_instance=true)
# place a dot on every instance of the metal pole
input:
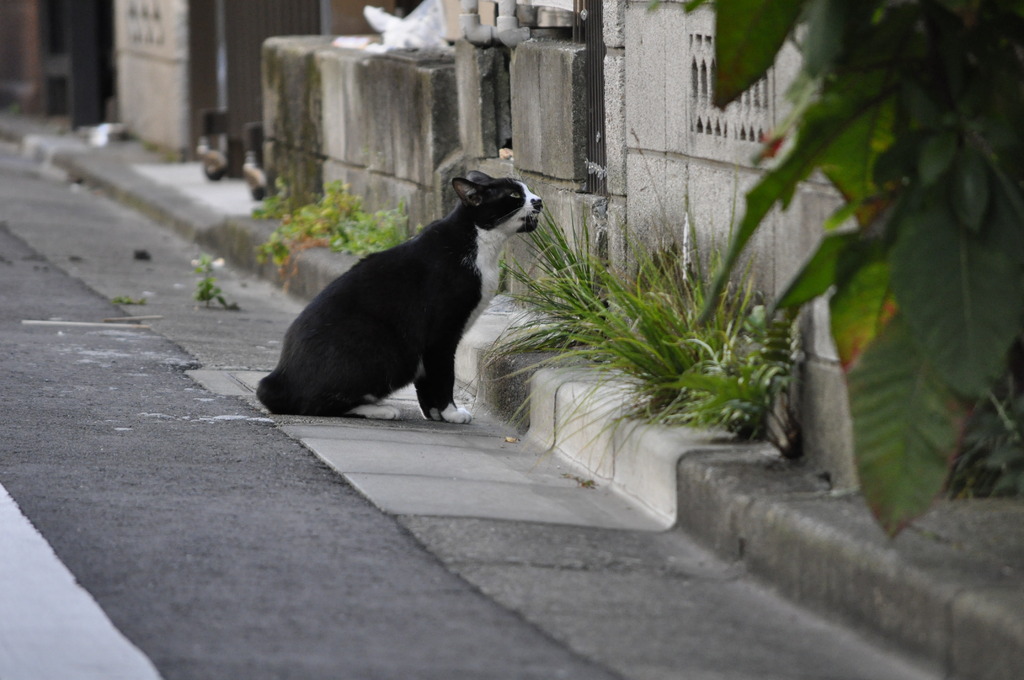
(222, 57)
(326, 18)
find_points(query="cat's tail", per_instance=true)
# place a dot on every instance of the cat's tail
(274, 394)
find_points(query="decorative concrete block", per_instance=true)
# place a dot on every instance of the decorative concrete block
(825, 416)
(614, 17)
(301, 170)
(385, 192)
(647, 40)
(292, 92)
(143, 80)
(549, 109)
(615, 121)
(658, 199)
(395, 114)
(152, 72)
(485, 116)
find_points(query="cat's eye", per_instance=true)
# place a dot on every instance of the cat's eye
(516, 194)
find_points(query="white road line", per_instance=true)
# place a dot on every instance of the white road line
(50, 627)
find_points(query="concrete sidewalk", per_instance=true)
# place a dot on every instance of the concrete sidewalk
(949, 591)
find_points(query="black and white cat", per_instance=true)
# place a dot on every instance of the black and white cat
(397, 316)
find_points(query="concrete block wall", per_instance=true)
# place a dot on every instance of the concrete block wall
(674, 161)
(689, 163)
(484, 100)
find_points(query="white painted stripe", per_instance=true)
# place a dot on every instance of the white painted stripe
(50, 627)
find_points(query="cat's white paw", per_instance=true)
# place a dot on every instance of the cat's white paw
(376, 411)
(456, 414)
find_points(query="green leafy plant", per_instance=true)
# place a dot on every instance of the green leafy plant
(642, 326)
(207, 290)
(991, 461)
(276, 205)
(912, 111)
(336, 221)
(746, 391)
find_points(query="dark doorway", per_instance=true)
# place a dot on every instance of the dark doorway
(225, 42)
(78, 59)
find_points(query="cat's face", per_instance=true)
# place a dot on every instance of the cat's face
(504, 204)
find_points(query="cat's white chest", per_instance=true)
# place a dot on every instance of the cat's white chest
(489, 244)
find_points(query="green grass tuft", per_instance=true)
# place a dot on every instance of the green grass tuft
(644, 325)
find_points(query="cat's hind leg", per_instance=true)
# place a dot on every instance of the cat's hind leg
(375, 411)
(273, 392)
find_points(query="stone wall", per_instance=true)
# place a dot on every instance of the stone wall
(683, 157)
(293, 113)
(385, 124)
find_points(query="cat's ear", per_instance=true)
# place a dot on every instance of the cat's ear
(479, 177)
(470, 194)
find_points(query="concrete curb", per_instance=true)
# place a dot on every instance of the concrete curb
(938, 590)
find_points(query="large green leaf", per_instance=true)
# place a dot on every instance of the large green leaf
(906, 425)
(1005, 229)
(937, 154)
(826, 20)
(970, 193)
(748, 35)
(860, 307)
(830, 124)
(851, 120)
(849, 163)
(962, 298)
(819, 272)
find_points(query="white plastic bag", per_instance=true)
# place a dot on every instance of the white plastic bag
(424, 28)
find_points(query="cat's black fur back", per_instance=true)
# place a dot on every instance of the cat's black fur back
(397, 316)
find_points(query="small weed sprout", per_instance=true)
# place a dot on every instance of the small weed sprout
(207, 290)
(580, 481)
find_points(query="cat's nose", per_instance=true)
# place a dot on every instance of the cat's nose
(538, 205)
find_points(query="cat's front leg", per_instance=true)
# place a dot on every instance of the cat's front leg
(449, 413)
(435, 385)
(456, 414)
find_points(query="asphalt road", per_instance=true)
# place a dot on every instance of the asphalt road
(216, 544)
